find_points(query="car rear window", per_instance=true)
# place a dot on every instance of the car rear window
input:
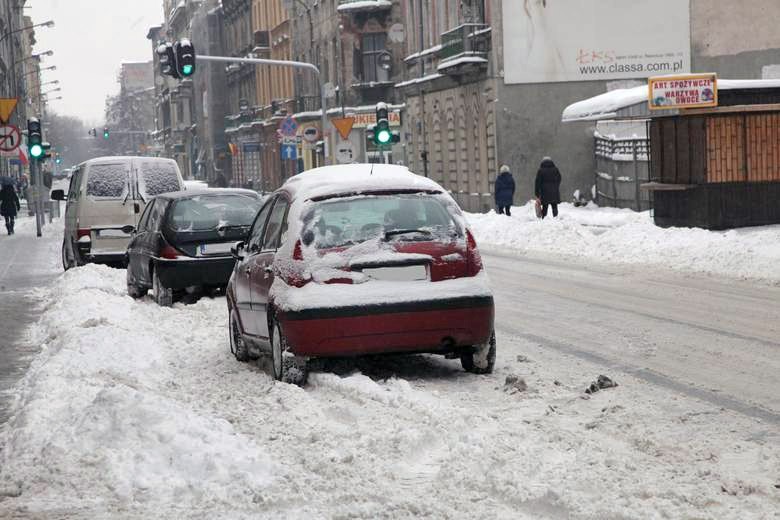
(211, 212)
(108, 181)
(340, 222)
(157, 177)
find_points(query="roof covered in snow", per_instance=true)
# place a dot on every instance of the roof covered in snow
(607, 105)
(357, 178)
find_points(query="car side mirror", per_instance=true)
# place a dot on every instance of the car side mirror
(58, 195)
(137, 208)
(237, 250)
(128, 229)
(308, 237)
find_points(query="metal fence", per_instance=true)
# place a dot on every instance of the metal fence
(622, 166)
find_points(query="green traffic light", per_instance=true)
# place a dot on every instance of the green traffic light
(105, 135)
(36, 151)
(186, 70)
(383, 136)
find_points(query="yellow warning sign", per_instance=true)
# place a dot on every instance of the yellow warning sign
(343, 125)
(7, 106)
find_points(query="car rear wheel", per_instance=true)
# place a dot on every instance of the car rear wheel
(286, 367)
(162, 295)
(482, 359)
(237, 344)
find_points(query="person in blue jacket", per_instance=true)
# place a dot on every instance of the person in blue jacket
(505, 190)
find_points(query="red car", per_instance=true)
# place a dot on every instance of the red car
(359, 259)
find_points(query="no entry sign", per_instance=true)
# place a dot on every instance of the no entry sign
(10, 138)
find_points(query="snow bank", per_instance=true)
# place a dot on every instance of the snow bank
(627, 237)
(97, 424)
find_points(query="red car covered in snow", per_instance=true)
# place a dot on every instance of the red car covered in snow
(359, 259)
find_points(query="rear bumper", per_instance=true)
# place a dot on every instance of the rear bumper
(419, 326)
(180, 274)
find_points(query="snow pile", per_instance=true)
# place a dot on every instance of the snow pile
(628, 237)
(99, 425)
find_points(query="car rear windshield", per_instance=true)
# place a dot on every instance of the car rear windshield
(158, 177)
(212, 212)
(107, 181)
(340, 222)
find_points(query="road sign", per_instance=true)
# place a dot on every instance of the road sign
(7, 106)
(345, 152)
(10, 138)
(290, 152)
(343, 125)
(288, 126)
(311, 134)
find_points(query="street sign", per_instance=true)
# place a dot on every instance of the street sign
(7, 106)
(10, 138)
(396, 34)
(345, 152)
(290, 152)
(343, 125)
(311, 134)
(288, 126)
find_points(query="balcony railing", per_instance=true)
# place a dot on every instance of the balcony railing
(467, 43)
(363, 6)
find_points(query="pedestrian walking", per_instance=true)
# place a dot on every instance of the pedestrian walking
(9, 206)
(547, 186)
(505, 190)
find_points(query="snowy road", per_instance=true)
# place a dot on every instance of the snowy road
(134, 411)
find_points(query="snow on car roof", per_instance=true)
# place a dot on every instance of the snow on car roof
(606, 105)
(357, 178)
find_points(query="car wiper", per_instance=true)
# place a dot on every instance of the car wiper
(232, 226)
(395, 232)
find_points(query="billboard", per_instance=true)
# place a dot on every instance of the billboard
(585, 40)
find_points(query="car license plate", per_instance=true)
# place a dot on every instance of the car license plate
(215, 249)
(406, 273)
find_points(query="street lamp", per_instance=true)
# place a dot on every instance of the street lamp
(33, 56)
(49, 23)
(53, 82)
(53, 67)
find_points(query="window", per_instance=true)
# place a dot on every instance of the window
(338, 222)
(275, 227)
(211, 212)
(75, 185)
(256, 233)
(373, 46)
(155, 215)
(107, 181)
(158, 177)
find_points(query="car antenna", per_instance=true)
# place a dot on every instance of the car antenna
(372, 169)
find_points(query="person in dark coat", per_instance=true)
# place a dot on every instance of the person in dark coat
(505, 190)
(9, 206)
(548, 184)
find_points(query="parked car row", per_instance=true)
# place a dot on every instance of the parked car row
(340, 261)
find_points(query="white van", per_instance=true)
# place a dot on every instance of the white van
(106, 196)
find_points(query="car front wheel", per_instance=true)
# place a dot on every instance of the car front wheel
(482, 359)
(286, 367)
(67, 260)
(237, 344)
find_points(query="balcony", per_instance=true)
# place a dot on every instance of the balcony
(363, 6)
(464, 49)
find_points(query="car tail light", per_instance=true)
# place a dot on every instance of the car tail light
(339, 280)
(83, 232)
(295, 273)
(473, 260)
(169, 252)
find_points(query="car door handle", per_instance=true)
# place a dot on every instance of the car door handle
(248, 270)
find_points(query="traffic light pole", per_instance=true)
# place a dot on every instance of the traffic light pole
(283, 63)
(35, 173)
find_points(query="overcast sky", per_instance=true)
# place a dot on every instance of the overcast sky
(90, 40)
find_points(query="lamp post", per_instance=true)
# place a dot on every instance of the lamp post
(53, 67)
(49, 23)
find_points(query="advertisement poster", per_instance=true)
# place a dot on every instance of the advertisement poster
(689, 91)
(586, 40)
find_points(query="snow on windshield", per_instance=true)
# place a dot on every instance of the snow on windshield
(209, 212)
(108, 181)
(345, 221)
(158, 177)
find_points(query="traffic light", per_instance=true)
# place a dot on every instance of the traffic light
(167, 58)
(380, 133)
(185, 57)
(34, 138)
(106, 133)
(93, 132)
(58, 159)
(46, 151)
